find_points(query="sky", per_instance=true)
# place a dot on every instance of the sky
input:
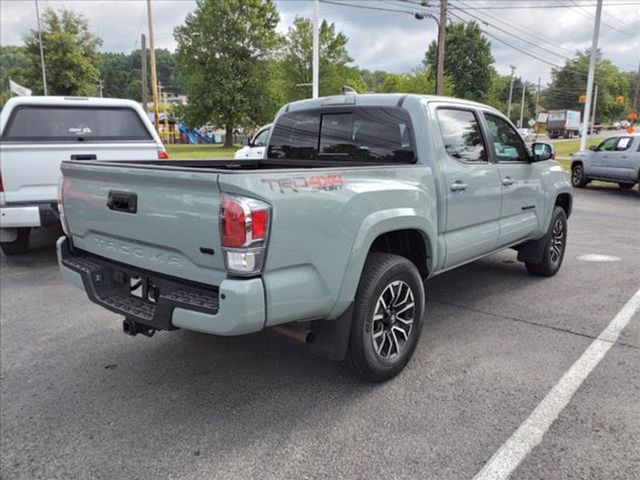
(380, 39)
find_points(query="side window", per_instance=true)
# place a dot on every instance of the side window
(507, 143)
(461, 135)
(608, 145)
(260, 140)
(624, 143)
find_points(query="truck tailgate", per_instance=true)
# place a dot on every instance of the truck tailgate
(141, 216)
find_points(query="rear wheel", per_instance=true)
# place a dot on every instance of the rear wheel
(626, 186)
(555, 243)
(19, 245)
(387, 317)
(578, 178)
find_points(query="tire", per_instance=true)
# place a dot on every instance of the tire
(626, 186)
(555, 244)
(578, 179)
(377, 350)
(19, 245)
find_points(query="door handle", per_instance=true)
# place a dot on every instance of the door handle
(458, 186)
(122, 202)
(507, 181)
(84, 157)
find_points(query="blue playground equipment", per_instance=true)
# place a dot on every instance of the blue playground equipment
(189, 135)
(195, 135)
(203, 136)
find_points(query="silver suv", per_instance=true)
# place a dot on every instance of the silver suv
(616, 159)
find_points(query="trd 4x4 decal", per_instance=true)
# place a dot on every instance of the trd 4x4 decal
(314, 183)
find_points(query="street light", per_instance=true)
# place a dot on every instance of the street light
(422, 16)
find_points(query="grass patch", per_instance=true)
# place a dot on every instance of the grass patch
(191, 152)
(565, 148)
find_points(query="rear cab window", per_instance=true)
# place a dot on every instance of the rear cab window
(360, 134)
(36, 123)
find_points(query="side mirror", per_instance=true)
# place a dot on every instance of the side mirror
(593, 148)
(542, 152)
(245, 142)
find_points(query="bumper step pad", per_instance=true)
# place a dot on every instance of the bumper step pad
(107, 283)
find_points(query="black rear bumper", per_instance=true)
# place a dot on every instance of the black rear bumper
(152, 301)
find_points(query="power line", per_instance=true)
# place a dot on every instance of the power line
(521, 40)
(522, 30)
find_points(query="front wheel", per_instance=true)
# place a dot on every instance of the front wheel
(555, 243)
(626, 186)
(578, 178)
(19, 245)
(387, 317)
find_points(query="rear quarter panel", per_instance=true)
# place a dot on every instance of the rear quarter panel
(324, 222)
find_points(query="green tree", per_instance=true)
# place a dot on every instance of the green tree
(70, 53)
(570, 81)
(222, 58)
(335, 71)
(13, 62)
(468, 61)
(498, 97)
(419, 81)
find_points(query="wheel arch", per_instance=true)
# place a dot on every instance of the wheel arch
(388, 231)
(565, 200)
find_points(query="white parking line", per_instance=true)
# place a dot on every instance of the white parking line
(530, 433)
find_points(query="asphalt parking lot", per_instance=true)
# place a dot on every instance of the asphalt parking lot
(81, 400)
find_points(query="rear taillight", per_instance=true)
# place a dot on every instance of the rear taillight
(244, 228)
(163, 155)
(63, 218)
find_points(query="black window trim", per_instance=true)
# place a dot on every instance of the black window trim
(349, 109)
(493, 154)
(483, 133)
(57, 140)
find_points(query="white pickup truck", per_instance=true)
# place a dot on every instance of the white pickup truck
(38, 133)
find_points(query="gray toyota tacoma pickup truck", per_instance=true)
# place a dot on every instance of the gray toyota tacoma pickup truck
(327, 239)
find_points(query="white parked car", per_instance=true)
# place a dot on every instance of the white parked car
(526, 134)
(255, 148)
(38, 133)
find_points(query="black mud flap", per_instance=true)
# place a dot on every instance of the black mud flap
(331, 337)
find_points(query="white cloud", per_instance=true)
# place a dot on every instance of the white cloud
(395, 42)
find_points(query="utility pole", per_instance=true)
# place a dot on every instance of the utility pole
(100, 86)
(537, 100)
(143, 62)
(593, 114)
(316, 49)
(513, 69)
(635, 96)
(166, 117)
(154, 77)
(44, 71)
(442, 30)
(592, 71)
(521, 125)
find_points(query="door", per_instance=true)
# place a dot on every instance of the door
(619, 164)
(472, 187)
(600, 157)
(520, 181)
